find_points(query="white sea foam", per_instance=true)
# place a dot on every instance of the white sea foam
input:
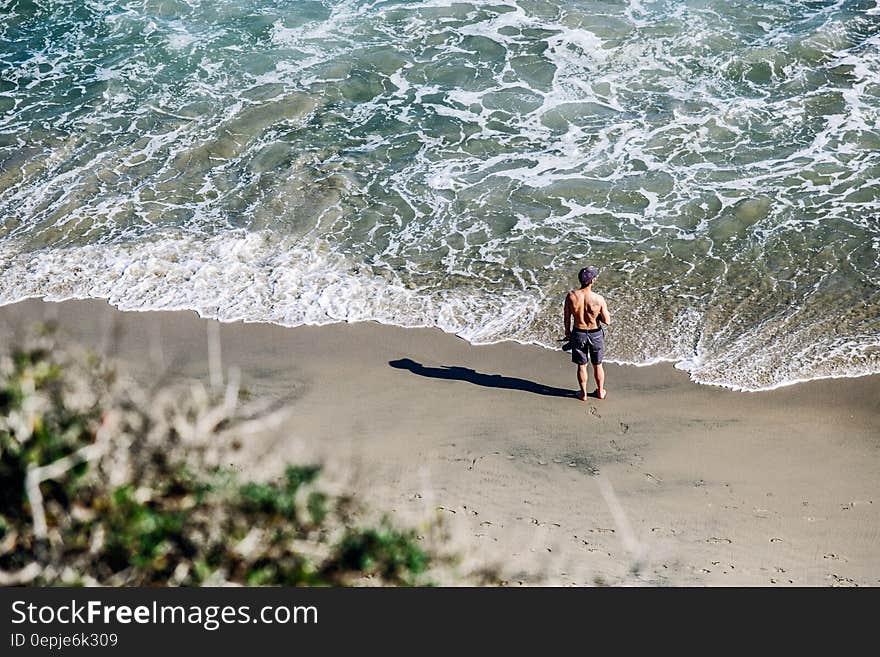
(250, 277)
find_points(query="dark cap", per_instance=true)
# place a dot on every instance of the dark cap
(587, 274)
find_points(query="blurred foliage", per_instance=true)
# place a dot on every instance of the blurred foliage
(132, 491)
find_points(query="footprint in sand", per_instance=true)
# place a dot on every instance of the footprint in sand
(776, 539)
(624, 427)
(715, 539)
(837, 580)
(594, 412)
(663, 530)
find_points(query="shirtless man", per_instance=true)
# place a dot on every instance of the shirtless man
(587, 338)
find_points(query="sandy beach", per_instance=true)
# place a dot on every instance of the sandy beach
(665, 482)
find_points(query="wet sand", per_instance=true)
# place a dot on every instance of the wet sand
(665, 482)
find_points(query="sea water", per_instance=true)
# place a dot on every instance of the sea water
(453, 164)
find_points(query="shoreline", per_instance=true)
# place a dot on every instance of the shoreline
(657, 361)
(716, 487)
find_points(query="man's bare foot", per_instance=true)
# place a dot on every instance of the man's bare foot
(582, 395)
(601, 395)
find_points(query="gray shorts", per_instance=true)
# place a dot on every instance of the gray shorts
(587, 343)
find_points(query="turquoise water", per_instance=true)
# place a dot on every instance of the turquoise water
(454, 164)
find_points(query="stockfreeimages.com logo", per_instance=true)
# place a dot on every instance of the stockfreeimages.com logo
(210, 617)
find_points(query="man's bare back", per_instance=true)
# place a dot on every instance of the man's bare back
(587, 308)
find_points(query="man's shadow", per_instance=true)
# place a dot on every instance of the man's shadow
(454, 373)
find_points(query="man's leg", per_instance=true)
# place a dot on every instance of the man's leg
(582, 381)
(599, 371)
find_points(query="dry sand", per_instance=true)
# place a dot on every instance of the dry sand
(664, 482)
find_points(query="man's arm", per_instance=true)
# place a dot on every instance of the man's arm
(567, 316)
(604, 315)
